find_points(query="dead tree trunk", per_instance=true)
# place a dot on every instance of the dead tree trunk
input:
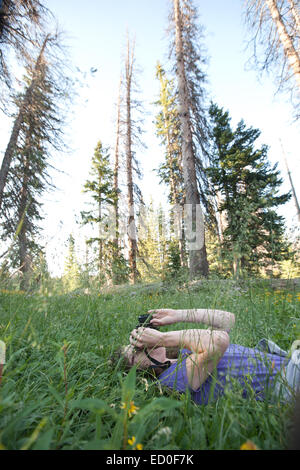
(100, 242)
(116, 170)
(287, 43)
(195, 221)
(292, 185)
(24, 257)
(129, 167)
(295, 14)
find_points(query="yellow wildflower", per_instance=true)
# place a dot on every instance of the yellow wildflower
(248, 445)
(132, 443)
(132, 408)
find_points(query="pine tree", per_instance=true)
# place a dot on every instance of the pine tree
(132, 132)
(24, 104)
(162, 235)
(168, 129)
(118, 265)
(41, 275)
(172, 266)
(101, 190)
(20, 23)
(149, 265)
(170, 171)
(249, 186)
(189, 60)
(71, 277)
(27, 178)
(117, 166)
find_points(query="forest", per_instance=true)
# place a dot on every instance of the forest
(217, 239)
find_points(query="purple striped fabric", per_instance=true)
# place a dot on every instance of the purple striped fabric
(252, 370)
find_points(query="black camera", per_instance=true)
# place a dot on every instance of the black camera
(144, 320)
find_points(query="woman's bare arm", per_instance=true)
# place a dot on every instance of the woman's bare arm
(196, 340)
(218, 319)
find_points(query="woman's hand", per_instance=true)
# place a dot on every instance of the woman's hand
(146, 338)
(164, 316)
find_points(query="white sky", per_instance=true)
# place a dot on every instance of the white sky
(97, 31)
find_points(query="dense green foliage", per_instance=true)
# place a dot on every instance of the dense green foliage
(28, 178)
(249, 191)
(60, 391)
(37, 132)
(99, 186)
(168, 130)
(109, 262)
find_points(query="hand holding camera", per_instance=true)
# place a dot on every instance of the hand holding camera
(165, 316)
(145, 335)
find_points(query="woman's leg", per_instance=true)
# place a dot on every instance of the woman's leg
(289, 386)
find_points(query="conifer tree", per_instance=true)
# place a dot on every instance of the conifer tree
(162, 234)
(100, 188)
(132, 132)
(170, 171)
(117, 166)
(168, 129)
(24, 105)
(148, 257)
(118, 265)
(189, 60)
(249, 186)
(41, 274)
(21, 21)
(39, 133)
(71, 277)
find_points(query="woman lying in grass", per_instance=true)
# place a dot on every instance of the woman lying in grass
(206, 360)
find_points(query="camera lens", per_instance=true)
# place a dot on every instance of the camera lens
(144, 319)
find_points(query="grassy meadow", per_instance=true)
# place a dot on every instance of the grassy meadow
(60, 390)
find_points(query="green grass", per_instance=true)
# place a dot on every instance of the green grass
(60, 391)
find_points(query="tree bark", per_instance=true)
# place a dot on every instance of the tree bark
(8, 156)
(133, 276)
(295, 14)
(292, 186)
(286, 41)
(116, 170)
(221, 217)
(197, 255)
(25, 261)
(100, 243)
